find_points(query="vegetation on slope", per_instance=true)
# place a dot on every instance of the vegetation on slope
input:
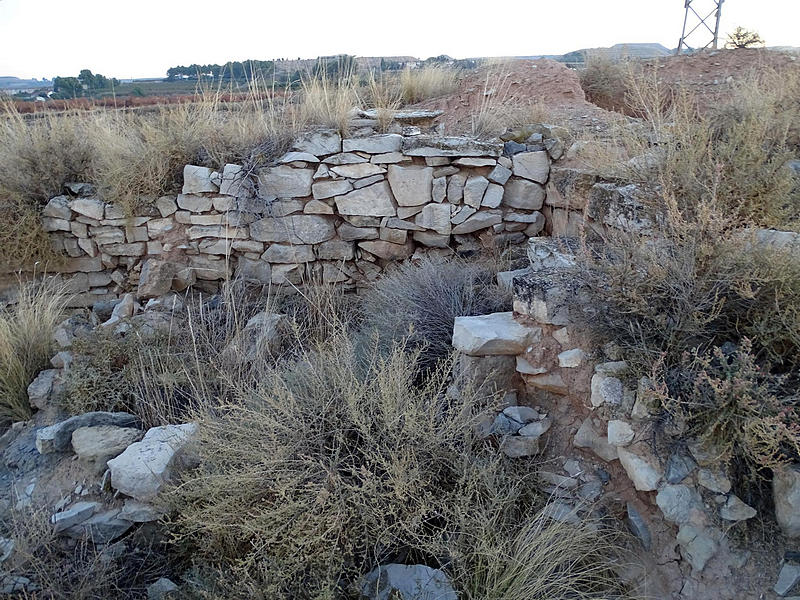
(709, 307)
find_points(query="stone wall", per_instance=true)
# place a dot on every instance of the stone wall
(333, 210)
(574, 403)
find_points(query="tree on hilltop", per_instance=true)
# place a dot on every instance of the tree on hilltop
(743, 38)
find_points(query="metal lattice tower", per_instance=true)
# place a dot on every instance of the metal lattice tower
(700, 25)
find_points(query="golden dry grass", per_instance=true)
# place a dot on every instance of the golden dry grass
(134, 157)
(26, 344)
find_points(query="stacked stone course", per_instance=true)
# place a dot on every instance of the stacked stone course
(333, 210)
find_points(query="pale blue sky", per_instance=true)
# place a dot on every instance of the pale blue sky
(42, 38)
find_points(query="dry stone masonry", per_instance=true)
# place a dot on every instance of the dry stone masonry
(332, 209)
(576, 404)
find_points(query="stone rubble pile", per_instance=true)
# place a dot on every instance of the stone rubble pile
(537, 350)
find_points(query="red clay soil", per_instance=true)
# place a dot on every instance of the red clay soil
(711, 74)
(512, 83)
(557, 89)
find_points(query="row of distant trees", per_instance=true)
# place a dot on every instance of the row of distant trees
(231, 70)
(84, 84)
(332, 67)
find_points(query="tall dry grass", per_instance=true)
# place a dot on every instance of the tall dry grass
(328, 102)
(427, 82)
(38, 155)
(731, 154)
(498, 111)
(546, 559)
(26, 343)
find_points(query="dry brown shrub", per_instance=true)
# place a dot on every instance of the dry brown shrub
(24, 245)
(737, 409)
(425, 297)
(39, 154)
(732, 155)
(605, 82)
(340, 461)
(705, 279)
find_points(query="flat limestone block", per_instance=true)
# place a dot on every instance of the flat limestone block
(492, 335)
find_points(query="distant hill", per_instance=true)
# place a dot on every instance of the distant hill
(618, 51)
(615, 52)
(15, 83)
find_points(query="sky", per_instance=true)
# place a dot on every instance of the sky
(44, 38)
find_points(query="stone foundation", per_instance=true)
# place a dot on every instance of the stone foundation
(331, 210)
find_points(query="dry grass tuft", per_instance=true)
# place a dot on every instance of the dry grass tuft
(328, 102)
(26, 344)
(65, 569)
(546, 559)
(38, 155)
(417, 85)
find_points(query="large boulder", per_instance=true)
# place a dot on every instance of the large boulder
(494, 334)
(156, 277)
(679, 503)
(101, 528)
(407, 582)
(371, 201)
(144, 467)
(197, 180)
(319, 143)
(95, 446)
(523, 194)
(786, 495)
(42, 388)
(641, 467)
(434, 145)
(374, 144)
(532, 165)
